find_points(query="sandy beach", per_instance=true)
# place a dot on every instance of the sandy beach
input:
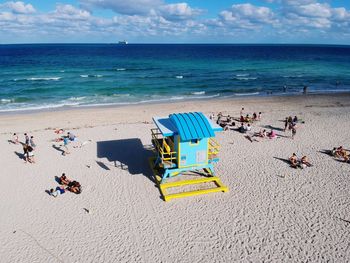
(272, 213)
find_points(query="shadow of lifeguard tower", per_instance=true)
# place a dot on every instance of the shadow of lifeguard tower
(126, 154)
(184, 143)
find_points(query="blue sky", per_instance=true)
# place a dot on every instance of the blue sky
(171, 21)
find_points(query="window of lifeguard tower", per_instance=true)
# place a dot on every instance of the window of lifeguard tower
(194, 142)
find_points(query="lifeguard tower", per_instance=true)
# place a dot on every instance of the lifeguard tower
(184, 143)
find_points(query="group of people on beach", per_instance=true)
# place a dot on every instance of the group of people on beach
(291, 124)
(65, 185)
(28, 147)
(228, 122)
(70, 137)
(28, 155)
(302, 163)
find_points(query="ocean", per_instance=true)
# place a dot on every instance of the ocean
(49, 76)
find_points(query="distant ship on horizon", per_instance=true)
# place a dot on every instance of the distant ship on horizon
(124, 42)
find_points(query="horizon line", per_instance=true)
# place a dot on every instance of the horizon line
(172, 43)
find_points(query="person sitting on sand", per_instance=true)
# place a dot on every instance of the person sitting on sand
(249, 128)
(74, 187)
(304, 162)
(295, 119)
(242, 128)
(262, 133)
(255, 117)
(241, 119)
(293, 160)
(64, 180)
(247, 118)
(272, 134)
(58, 191)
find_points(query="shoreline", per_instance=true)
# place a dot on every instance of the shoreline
(189, 100)
(142, 113)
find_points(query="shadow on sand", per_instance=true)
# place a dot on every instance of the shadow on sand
(272, 128)
(283, 160)
(20, 155)
(126, 154)
(58, 148)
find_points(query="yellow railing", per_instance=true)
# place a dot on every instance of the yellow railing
(164, 146)
(213, 148)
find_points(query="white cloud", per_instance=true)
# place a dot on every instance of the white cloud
(179, 11)
(70, 12)
(126, 7)
(19, 7)
(161, 22)
(247, 16)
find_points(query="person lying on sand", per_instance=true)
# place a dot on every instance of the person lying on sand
(340, 152)
(293, 160)
(59, 131)
(304, 162)
(74, 187)
(64, 180)
(58, 191)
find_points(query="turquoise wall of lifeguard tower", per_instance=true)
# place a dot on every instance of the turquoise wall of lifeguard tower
(192, 152)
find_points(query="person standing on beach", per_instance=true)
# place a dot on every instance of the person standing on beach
(305, 89)
(294, 131)
(15, 139)
(26, 139)
(31, 141)
(286, 124)
(241, 113)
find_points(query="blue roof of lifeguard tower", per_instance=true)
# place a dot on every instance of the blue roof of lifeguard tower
(189, 126)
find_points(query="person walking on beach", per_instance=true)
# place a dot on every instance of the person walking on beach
(65, 146)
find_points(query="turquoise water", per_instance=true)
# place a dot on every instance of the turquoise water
(78, 75)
